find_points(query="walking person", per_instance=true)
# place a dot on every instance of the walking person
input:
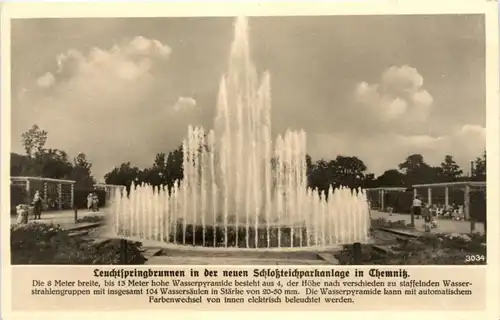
(90, 200)
(95, 202)
(417, 207)
(434, 216)
(37, 204)
(427, 215)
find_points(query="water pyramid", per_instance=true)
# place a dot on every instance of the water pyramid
(241, 190)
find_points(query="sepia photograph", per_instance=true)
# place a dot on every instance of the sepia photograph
(249, 140)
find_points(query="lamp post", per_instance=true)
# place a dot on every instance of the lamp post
(123, 251)
(357, 254)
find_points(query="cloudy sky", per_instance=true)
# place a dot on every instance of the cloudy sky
(376, 87)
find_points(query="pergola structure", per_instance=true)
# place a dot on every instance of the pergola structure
(465, 186)
(432, 196)
(109, 189)
(378, 200)
(57, 192)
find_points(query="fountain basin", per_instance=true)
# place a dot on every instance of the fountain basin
(186, 247)
(231, 236)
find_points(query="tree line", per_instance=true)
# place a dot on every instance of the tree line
(347, 171)
(167, 168)
(50, 163)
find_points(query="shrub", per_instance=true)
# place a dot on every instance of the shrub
(469, 244)
(91, 219)
(383, 223)
(370, 256)
(440, 249)
(37, 243)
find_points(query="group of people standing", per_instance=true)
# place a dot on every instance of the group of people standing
(426, 211)
(37, 204)
(93, 202)
(420, 208)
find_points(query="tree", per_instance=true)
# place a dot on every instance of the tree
(50, 163)
(309, 169)
(450, 170)
(34, 141)
(157, 175)
(479, 170)
(412, 164)
(81, 161)
(369, 181)
(322, 175)
(165, 171)
(123, 175)
(19, 164)
(173, 169)
(160, 161)
(81, 173)
(343, 171)
(349, 171)
(391, 178)
(417, 171)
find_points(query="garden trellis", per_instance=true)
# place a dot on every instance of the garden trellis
(57, 193)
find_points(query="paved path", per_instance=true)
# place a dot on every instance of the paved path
(444, 225)
(65, 218)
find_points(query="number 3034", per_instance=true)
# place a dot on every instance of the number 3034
(474, 258)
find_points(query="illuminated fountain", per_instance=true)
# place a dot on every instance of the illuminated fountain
(239, 190)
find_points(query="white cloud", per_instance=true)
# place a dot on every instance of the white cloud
(129, 61)
(473, 129)
(117, 106)
(184, 104)
(395, 123)
(401, 79)
(396, 108)
(384, 151)
(107, 102)
(46, 80)
(398, 97)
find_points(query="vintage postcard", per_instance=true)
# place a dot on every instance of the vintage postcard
(240, 157)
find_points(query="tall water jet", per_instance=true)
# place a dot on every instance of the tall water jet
(239, 189)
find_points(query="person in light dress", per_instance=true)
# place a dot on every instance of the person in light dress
(417, 207)
(22, 211)
(37, 204)
(90, 198)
